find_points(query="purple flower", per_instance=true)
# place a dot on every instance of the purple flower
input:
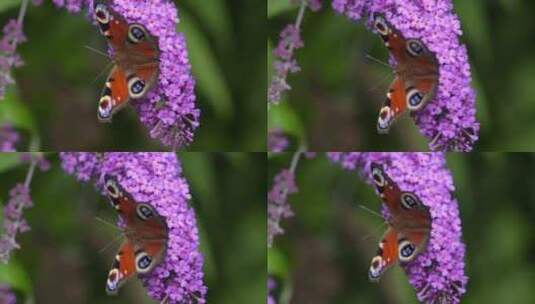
(8, 138)
(271, 286)
(9, 59)
(277, 142)
(285, 63)
(169, 110)
(156, 179)
(6, 295)
(437, 274)
(449, 120)
(19, 199)
(278, 207)
(73, 6)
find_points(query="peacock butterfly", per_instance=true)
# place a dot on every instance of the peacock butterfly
(408, 229)
(417, 74)
(135, 57)
(145, 234)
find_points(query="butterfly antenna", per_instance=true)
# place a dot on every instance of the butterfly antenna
(370, 57)
(97, 51)
(370, 211)
(108, 223)
(102, 71)
(110, 243)
(374, 232)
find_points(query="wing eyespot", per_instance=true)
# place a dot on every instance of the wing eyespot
(144, 262)
(381, 26)
(145, 211)
(137, 33)
(136, 87)
(415, 47)
(112, 189)
(407, 251)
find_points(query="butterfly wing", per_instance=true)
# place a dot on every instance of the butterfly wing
(145, 229)
(122, 269)
(114, 96)
(409, 216)
(416, 65)
(393, 107)
(136, 54)
(112, 25)
(387, 255)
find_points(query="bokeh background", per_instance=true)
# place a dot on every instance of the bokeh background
(59, 259)
(55, 99)
(325, 253)
(336, 98)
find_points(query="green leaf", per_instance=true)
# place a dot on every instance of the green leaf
(276, 7)
(206, 70)
(7, 4)
(214, 15)
(15, 276)
(15, 112)
(284, 117)
(9, 161)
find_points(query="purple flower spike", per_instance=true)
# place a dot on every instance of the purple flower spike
(449, 120)
(290, 40)
(278, 207)
(14, 222)
(8, 138)
(73, 6)
(9, 59)
(271, 287)
(437, 273)
(277, 142)
(156, 179)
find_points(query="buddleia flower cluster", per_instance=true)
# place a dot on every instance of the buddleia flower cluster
(155, 179)
(437, 274)
(449, 120)
(169, 110)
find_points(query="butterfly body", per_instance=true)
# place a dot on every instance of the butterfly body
(409, 225)
(135, 57)
(145, 234)
(417, 75)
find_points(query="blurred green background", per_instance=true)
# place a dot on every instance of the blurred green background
(326, 251)
(56, 95)
(59, 261)
(336, 97)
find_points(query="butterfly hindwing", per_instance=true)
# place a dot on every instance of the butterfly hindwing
(122, 269)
